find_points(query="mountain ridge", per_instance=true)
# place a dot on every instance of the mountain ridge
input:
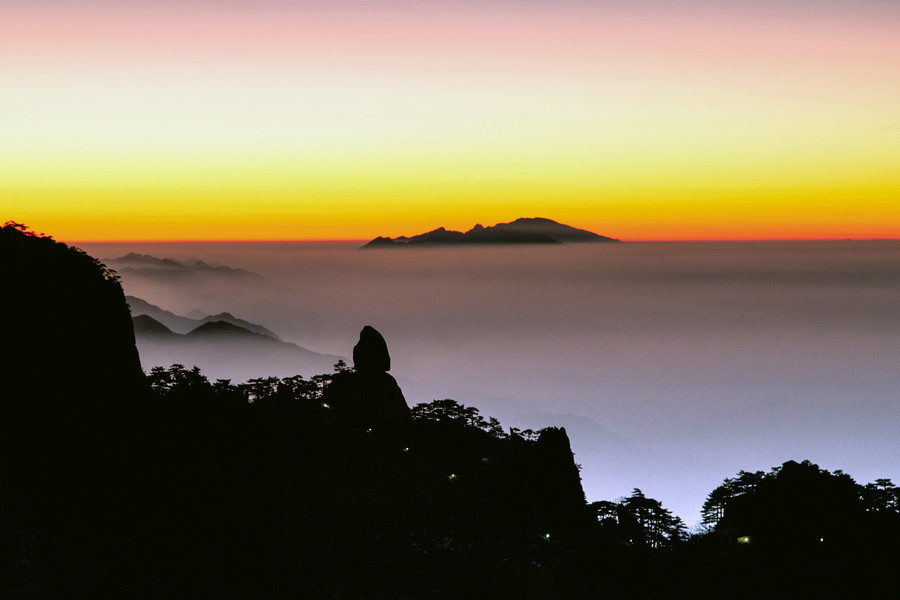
(225, 350)
(185, 324)
(524, 230)
(153, 268)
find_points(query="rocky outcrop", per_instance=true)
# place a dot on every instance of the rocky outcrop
(370, 354)
(367, 398)
(559, 494)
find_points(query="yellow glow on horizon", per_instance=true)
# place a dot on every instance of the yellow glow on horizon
(362, 211)
(630, 185)
(644, 132)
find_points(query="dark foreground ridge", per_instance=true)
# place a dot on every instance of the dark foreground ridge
(114, 484)
(521, 231)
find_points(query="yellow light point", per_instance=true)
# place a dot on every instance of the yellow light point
(452, 477)
(326, 405)
(744, 539)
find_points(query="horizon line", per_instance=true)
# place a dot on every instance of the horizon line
(365, 240)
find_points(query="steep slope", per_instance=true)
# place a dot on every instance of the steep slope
(72, 408)
(66, 322)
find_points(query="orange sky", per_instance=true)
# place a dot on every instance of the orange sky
(162, 121)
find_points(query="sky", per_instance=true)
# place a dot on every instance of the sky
(272, 119)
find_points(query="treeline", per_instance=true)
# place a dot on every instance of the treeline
(257, 490)
(802, 484)
(794, 503)
(474, 508)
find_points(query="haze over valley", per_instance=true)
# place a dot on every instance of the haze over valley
(222, 346)
(671, 365)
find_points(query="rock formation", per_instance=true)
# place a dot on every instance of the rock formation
(559, 495)
(368, 398)
(371, 353)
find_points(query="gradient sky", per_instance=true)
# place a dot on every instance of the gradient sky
(320, 120)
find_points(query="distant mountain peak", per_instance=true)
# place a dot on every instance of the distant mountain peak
(147, 325)
(222, 316)
(221, 328)
(524, 230)
(535, 220)
(146, 266)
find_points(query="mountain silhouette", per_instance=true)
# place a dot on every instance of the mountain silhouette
(184, 324)
(147, 325)
(169, 270)
(521, 231)
(225, 350)
(220, 329)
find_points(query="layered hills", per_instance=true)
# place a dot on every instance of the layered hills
(184, 324)
(222, 347)
(521, 231)
(152, 268)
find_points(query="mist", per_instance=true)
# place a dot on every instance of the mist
(671, 365)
